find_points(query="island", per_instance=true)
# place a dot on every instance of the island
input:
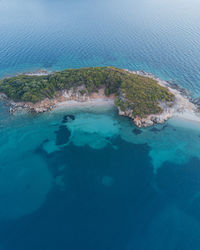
(137, 95)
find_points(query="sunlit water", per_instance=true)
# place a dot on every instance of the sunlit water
(85, 178)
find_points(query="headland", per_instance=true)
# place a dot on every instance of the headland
(142, 97)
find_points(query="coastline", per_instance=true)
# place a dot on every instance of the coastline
(187, 115)
(182, 107)
(64, 99)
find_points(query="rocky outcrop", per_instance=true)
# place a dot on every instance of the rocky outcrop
(183, 102)
(147, 121)
(40, 107)
(79, 94)
(3, 96)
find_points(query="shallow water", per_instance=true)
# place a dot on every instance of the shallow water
(85, 178)
(103, 186)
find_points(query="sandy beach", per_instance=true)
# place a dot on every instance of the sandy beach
(183, 109)
(89, 103)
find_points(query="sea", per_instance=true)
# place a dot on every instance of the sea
(83, 178)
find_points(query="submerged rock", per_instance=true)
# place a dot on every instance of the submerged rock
(156, 130)
(137, 131)
(62, 135)
(68, 118)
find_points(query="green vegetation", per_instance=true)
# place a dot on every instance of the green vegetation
(138, 93)
(142, 95)
(35, 88)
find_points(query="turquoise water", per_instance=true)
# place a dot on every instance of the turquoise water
(85, 178)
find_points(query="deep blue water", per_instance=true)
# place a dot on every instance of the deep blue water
(85, 178)
(162, 37)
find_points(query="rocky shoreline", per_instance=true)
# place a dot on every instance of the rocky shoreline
(79, 95)
(41, 72)
(183, 106)
(183, 101)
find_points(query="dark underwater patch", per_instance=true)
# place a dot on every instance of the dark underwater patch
(165, 126)
(131, 207)
(46, 140)
(62, 135)
(137, 131)
(86, 203)
(156, 130)
(184, 178)
(54, 125)
(67, 118)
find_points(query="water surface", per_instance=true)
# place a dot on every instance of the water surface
(162, 37)
(85, 178)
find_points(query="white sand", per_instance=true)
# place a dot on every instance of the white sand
(183, 108)
(186, 115)
(89, 103)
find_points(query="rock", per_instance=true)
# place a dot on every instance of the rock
(138, 122)
(3, 96)
(196, 101)
(137, 131)
(11, 111)
(79, 94)
(182, 90)
(147, 122)
(127, 113)
(68, 118)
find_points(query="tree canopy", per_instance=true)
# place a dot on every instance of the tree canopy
(141, 94)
